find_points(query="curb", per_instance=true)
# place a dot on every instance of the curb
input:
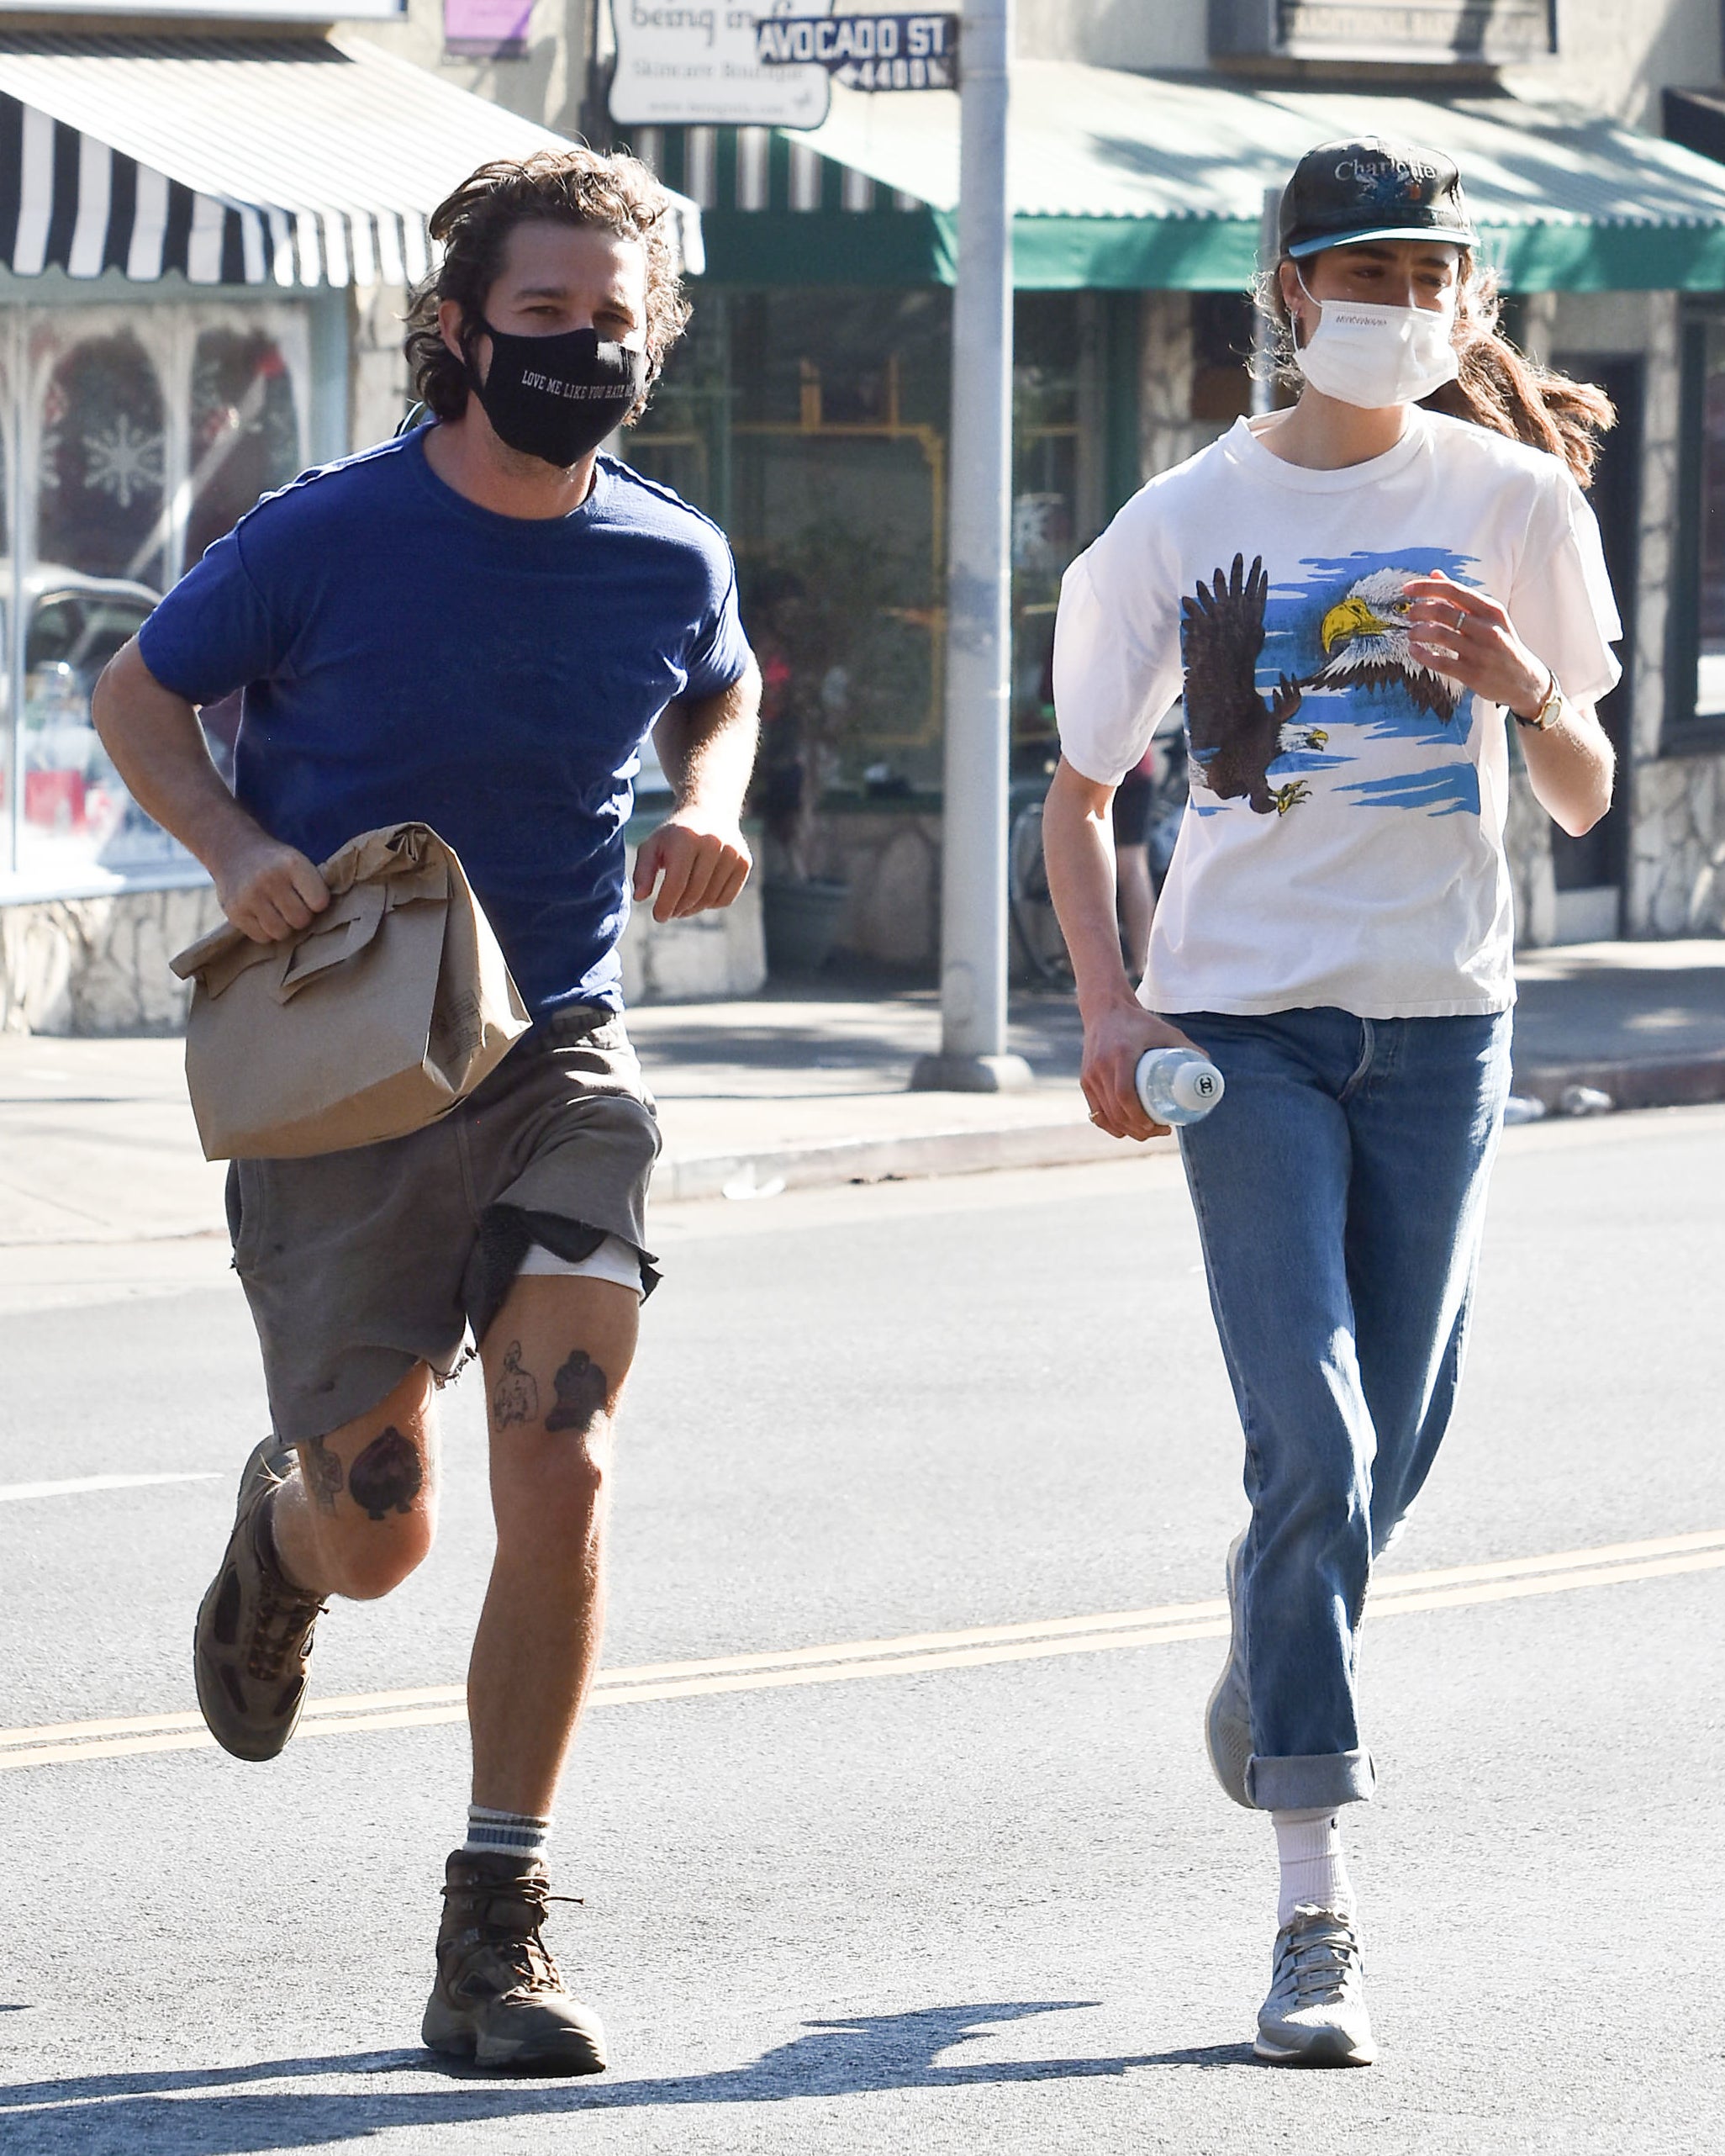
(1692, 1081)
(763, 1171)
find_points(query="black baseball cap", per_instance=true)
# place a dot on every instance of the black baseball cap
(1371, 189)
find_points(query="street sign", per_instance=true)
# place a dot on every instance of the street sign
(680, 65)
(867, 52)
(486, 29)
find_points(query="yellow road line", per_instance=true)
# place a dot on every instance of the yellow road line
(971, 1647)
(1511, 1590)
(1607, 1553)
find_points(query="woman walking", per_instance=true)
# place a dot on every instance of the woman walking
(1353, 595)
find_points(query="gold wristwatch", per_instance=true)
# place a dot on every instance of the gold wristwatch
(1549, 713)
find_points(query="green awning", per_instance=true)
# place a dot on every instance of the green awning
(1136, 181)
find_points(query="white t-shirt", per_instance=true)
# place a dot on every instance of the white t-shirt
(1344, 844)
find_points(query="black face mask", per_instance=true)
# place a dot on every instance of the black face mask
(556, 397)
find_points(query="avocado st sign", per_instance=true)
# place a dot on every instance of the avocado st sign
(867, 52)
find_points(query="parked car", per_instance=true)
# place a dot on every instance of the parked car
(74, 624)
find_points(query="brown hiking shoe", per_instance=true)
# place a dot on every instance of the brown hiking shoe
(498, 1997)
(251, 1646)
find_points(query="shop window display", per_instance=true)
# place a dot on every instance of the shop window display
(135, 437)
(245, 431)
(100, 461)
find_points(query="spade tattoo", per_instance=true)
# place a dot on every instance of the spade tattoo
(386, 1476)
(322, 1472)
(516, 1399)
(581, 1387)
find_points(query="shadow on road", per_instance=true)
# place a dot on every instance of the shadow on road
(1209, 2054)
(102, 2114)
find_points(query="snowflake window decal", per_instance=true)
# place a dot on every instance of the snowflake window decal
(124, 461)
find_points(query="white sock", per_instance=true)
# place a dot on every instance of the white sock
(506, 1834)
(1308, 1844)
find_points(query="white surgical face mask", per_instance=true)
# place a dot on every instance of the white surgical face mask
(1377, 356)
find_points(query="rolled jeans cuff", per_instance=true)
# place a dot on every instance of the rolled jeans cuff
(1309, 1781)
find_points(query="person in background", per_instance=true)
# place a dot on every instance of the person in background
(1357, 596)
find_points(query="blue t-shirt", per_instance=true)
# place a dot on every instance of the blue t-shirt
(405, 654)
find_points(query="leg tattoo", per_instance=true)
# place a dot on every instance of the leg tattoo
(581, 1387)
(322, 1470)
(516, 1399)
(386, 1476)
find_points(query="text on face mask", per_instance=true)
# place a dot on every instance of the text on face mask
(578, 392)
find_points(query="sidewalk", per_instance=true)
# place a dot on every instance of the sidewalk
(802, 1088)
(1644, 1022)
(98, 1151)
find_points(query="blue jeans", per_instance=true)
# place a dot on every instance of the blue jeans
(1340, 1191)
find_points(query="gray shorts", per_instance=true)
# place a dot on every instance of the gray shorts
(360, 1265)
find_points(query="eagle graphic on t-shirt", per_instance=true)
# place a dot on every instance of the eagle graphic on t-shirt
(1235, 736)
(1367, 631)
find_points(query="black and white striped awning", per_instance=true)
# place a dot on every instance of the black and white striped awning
(286, 162)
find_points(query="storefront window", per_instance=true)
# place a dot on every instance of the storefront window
(101, 468)
(814, 429)
(1222, 357)
(11, 772)
(1710, 667)
(140, 435)
(1049, 348)
(815, 435)
(245, 432)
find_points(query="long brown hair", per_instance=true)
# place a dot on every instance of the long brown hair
(575, 186)
(1499, 386)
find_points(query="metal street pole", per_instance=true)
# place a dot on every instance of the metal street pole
(972, 1057)
(1263, 389)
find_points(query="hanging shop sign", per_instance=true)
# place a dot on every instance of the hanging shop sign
(487, 29)
(867, 52)
(229, 11)
(679, 66)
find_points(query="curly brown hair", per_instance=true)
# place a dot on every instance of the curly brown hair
(1499, 386)
(575, 186)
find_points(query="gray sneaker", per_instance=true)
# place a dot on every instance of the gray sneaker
(1227, 1720)
(251, 1645)
(1315, 2013)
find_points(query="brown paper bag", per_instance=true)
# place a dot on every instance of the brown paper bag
(372, 1022)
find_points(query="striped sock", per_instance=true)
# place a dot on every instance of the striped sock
(506, 1834)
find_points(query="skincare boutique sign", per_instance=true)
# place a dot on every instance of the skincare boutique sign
(698, 66)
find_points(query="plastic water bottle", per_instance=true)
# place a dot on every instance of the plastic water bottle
(1177, 1084)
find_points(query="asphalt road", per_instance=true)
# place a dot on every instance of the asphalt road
(971, 1895)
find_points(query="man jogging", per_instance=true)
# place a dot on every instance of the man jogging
(473, 627)
(1351, 596)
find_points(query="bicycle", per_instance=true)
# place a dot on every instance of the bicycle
(1030, 907)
